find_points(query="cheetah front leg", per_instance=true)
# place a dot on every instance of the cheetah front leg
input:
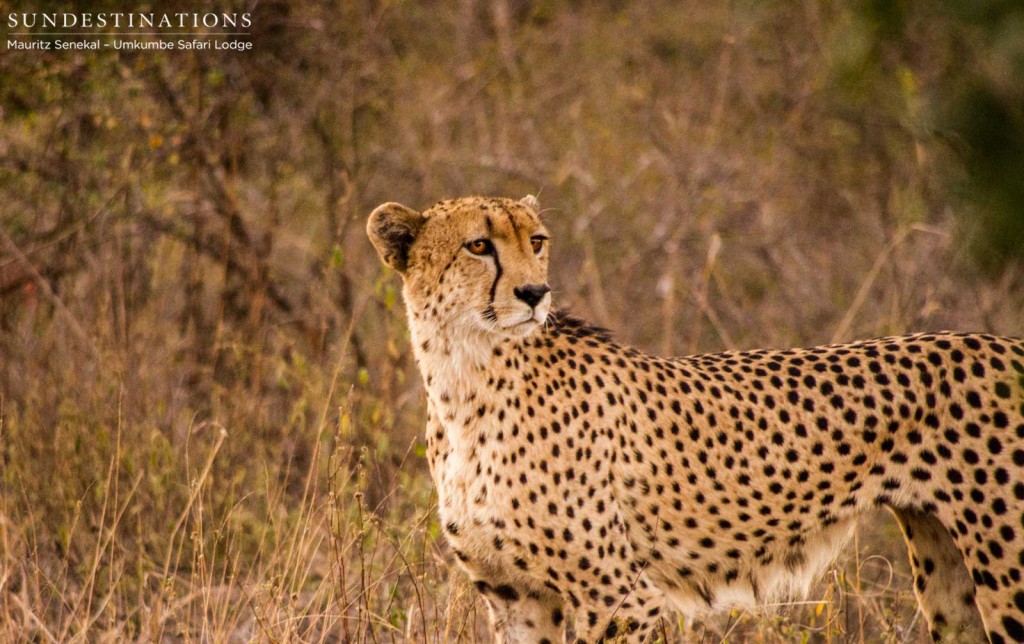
(633, 619)
(942, 584)
(519, 615)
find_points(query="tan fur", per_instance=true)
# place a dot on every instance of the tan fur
(581, 478)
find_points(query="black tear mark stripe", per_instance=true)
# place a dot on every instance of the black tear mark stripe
(497, 276)
(497, 266)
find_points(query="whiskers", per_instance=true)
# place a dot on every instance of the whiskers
(549, 321)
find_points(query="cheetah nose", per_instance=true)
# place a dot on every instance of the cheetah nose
(531, 293)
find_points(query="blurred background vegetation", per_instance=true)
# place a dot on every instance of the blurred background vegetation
(210, 425)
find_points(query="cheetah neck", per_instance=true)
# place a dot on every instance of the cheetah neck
(454, 364)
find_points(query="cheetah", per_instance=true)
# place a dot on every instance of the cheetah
(582, 480)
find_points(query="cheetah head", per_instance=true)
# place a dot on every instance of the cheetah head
(469, 264)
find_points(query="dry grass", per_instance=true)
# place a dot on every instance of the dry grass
(210, 426)
(109, 532)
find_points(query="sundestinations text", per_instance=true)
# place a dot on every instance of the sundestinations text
(121, 20)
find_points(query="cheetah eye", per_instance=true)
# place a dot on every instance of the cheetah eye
(480, 247)
(537, 243)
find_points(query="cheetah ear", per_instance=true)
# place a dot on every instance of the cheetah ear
(392, 229)
(531, 202)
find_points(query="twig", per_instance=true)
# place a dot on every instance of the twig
(44, 286)
(30, 614)
(869, 279)
(197, 486)
(865, 286)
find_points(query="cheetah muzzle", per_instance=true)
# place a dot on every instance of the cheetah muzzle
(579, 478)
